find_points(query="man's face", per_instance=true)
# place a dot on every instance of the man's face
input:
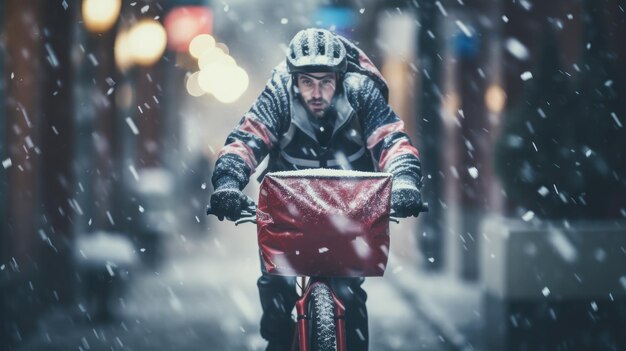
(317, 90)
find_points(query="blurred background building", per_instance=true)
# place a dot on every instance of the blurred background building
(113, 113)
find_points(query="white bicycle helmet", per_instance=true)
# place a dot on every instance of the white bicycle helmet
(316, 50)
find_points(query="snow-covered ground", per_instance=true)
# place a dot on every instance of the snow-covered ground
(203, 296)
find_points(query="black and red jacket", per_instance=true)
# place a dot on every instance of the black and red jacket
(367, 135)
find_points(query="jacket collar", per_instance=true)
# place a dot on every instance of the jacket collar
(300, 116)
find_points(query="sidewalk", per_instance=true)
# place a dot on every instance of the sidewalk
(203, 296)
(452, 307)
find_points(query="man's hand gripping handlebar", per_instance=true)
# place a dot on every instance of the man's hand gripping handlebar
(248, 215)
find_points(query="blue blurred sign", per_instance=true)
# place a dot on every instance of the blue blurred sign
(466, 47)
(343, 19)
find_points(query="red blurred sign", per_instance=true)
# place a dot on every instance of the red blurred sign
(186, 22)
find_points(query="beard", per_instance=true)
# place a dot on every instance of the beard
(318, 107)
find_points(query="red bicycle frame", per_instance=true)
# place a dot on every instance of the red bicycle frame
(301, 341)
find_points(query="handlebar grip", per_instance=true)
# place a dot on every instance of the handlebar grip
(250, 211)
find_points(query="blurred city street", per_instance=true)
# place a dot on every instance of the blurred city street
(203, 296)
(118, 117)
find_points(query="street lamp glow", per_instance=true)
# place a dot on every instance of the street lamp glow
(234, 86)
(226, 82)
(495, 98)
(147, 40)
(192, 85)
(224, 47)
(210, 55)
(216, 56)
(122, 52)
(100, 15)
(201, 43)
(209, 77)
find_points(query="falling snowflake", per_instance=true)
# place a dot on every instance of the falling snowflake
(526, 76)
(528, 216)
(473, 172)
(543, 191)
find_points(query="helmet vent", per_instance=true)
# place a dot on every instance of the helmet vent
(321, 48)
(336, 51)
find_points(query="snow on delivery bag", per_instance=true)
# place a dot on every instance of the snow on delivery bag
(324, 222)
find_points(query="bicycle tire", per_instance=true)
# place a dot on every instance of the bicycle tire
(323, 326)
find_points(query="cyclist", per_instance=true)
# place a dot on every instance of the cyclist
(325, 106)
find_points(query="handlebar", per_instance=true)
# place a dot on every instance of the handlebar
(249, 214)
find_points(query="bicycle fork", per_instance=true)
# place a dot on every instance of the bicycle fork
(301, 341)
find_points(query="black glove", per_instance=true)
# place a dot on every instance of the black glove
(228, 201)
(406, 199)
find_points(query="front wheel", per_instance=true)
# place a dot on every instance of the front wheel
(323, 326)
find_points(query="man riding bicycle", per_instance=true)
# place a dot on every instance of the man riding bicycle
(324, 107)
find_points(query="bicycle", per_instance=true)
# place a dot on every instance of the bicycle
(287, 250)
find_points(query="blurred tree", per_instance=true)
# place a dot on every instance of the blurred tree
(600, 134)
(534, 153)
(561, 151)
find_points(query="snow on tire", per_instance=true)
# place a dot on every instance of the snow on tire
(322, 319)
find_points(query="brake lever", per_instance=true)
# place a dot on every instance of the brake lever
(394, 219)
(246, 216)
(251, 219)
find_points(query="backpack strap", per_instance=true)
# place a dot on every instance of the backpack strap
(359, 62)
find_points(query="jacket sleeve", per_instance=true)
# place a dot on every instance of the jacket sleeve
(383, 130)
(255, 135)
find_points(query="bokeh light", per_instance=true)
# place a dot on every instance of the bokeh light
(226, 82)
(215, 55)
(147, 40)
(122, 52)
(100, 15)
(192, 85)
(201, 43)
(495, 98)
(183, 23)
(223, 47)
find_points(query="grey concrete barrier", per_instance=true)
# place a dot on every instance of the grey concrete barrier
(551, 285)
(104, 261)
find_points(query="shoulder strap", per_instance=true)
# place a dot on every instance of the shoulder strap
(359, 62)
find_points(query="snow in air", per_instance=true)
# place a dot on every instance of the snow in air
(526, 76)
(563, 245)
(517, 49)
(528, 216)
(473, 172)
(132, 125)
(464, 28)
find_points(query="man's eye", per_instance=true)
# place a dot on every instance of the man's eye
(327, 82)
(306, 82)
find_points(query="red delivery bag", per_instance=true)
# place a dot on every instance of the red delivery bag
(322, 222)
